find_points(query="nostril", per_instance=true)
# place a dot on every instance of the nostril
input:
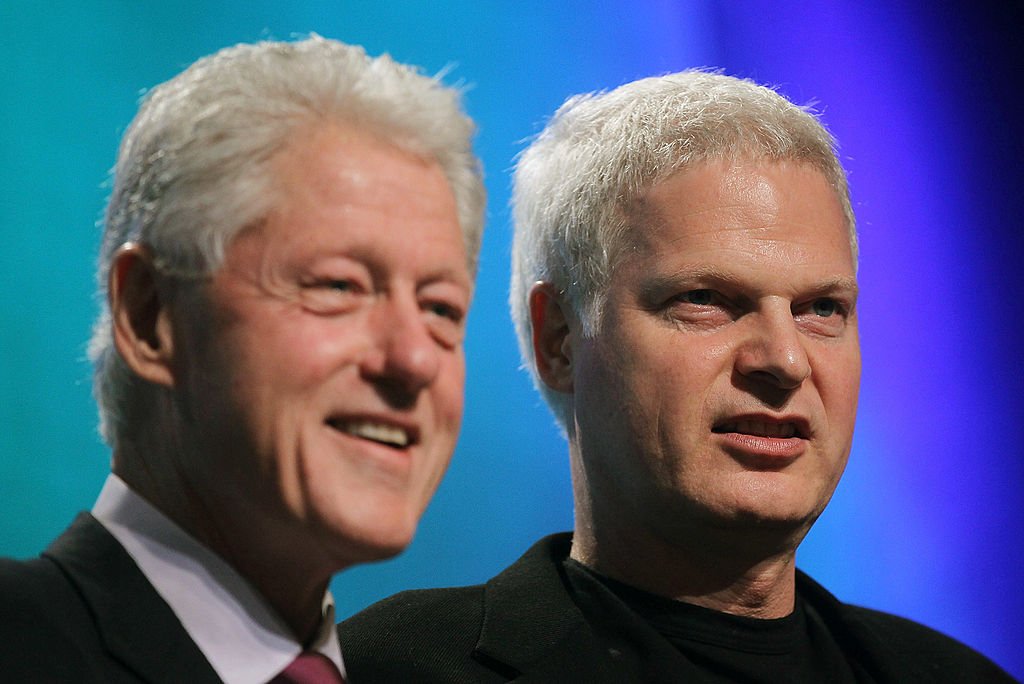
(397, 395)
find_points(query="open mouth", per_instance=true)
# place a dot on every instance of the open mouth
(762, 428)
(381, 433)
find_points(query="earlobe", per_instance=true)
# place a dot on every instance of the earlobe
(139, 314)
(552, 342)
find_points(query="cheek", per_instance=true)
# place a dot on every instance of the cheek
(689, 373)
(446, 399)
(305, 349)
(448, 392)
(279, 369)
(839, 389)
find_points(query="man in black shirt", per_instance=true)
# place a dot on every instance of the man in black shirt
(684, 288)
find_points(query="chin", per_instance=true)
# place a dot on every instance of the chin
(762, 515)
(774, 501)
(786, 526)
(377, 540)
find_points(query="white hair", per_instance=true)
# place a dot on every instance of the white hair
(194, 165)
(600, 151)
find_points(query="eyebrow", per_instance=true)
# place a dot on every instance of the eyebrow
(450, 275)
(713, 276)
(371, 260)
(845, 284)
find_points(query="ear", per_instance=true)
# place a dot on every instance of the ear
(552, 342)
(140, 314)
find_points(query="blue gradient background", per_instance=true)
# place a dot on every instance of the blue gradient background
(922, 98)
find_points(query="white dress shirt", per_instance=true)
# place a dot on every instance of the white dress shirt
(244, 639)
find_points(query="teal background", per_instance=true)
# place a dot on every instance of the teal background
(922, 98)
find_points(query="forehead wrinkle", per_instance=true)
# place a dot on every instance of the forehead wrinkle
(648, 224)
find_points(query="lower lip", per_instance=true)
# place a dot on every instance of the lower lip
(763, 452)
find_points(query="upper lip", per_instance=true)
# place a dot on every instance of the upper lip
(765, 425)
(388, 430)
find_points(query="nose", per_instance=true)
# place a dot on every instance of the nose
(774, 353)
(404, 358)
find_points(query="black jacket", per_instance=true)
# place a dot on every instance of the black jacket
(524, 626)
(84, 612)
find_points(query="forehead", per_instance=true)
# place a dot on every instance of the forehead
(743, 214)
(339, 164)
(337, 189)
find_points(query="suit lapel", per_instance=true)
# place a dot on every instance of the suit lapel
(135, 623)
(532, 625)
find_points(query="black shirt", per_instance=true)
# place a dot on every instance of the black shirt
(721, 647)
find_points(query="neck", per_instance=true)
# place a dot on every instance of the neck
(711, 578)
(295, 590)
(261, 551)
(743, 570)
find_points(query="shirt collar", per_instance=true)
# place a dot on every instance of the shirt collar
(239, 633)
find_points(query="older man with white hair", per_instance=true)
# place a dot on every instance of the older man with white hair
(279, 375)
(684, 288)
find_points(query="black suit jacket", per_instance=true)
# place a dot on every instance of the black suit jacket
(84, 612)
(524, 626)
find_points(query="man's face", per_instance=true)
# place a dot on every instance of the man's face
(721, 386)
(322, 384)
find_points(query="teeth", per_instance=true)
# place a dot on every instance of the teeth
(763, 429)
(388, 434)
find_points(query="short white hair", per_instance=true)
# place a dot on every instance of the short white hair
(602, 150)
(194, 165)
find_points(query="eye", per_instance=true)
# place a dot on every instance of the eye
(698, 297)
(444, 310)
(338, 285)
(445, 321)
(331, 295)
(824, 316)
(825, 307)
(700, 309)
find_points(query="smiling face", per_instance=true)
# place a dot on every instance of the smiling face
(321, 384)
(720, 389)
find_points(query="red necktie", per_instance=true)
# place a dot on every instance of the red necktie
(309, 668)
